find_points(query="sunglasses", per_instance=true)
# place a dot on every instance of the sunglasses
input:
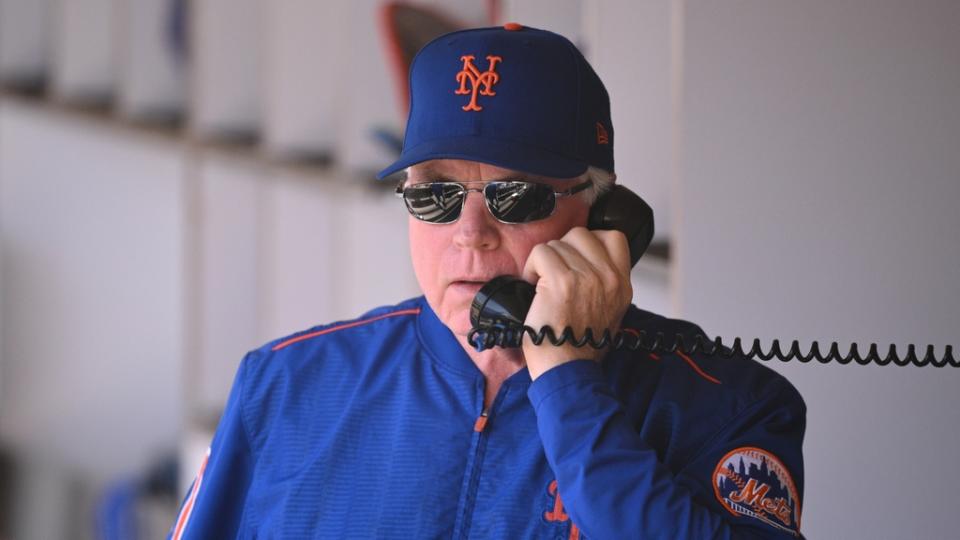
(509, 201)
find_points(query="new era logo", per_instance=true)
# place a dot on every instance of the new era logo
(602, 137)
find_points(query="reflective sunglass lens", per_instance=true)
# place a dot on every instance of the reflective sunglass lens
(519, 202)
(436, 202)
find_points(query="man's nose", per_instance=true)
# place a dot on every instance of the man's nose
(476, 228)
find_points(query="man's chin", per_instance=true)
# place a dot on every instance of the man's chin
(454, 311)
(458, 322)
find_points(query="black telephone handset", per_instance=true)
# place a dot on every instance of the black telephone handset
(500, 307)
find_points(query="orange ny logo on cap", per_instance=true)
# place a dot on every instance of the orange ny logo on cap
(479, 82)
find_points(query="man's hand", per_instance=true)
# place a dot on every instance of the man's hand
(583, 281)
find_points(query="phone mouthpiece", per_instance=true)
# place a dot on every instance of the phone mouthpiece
(504, 300)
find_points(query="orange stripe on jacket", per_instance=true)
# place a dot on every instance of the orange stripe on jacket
(184, 517)
(686, 359)
(696, 368)
(637, 334)
(344, 326)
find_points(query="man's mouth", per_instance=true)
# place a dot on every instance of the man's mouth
(467, 286)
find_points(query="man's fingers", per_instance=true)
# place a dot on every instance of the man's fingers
(572, 257)
(543, 259)
(604, 253)
(589, 245)
(615, 243)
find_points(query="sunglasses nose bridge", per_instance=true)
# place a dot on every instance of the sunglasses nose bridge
(476, 228)
(466, 195)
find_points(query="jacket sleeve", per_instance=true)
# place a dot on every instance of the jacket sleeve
(213, 507)
(738, 486)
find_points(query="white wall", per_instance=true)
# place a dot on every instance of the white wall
(629, 44)
(819, 201)
(92, 311)
(227, 299)
(333, 248)
(564, 17)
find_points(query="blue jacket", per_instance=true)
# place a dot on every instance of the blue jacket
(375, 428)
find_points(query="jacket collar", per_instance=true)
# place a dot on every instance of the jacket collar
(443, 346)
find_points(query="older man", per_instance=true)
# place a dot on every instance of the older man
(394, 425)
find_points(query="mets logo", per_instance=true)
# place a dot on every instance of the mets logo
(753, 482)
(556, 514)
(480, 82)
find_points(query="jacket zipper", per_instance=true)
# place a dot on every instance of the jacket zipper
(461, 527)
(481, 421)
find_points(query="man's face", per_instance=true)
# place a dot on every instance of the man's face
(452, 261)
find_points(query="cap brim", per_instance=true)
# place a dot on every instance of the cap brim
(505, 154)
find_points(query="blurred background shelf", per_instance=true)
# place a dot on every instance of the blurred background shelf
(85, 63)
(25, 50)
(225, 49)
(153, 60)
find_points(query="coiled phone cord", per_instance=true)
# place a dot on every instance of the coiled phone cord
(507, 335)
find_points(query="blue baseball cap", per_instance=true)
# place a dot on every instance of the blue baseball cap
(512, 96)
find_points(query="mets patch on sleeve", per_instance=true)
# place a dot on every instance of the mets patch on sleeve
(752, 482)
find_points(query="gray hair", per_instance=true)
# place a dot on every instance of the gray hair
(602, 182)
